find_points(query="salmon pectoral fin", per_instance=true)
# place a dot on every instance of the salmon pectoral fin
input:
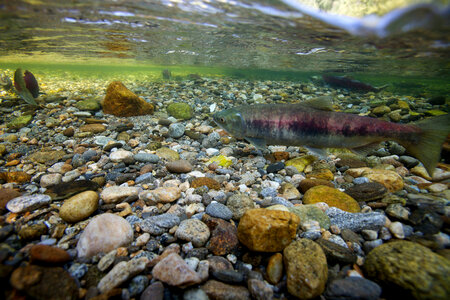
(259, 143)
(433, 134)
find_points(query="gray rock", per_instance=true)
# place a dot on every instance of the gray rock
(176, 130)
(195, 294)
(228, 276)
(144, 178)
(353, 288)
(269, 192)
(48, 180)
(27, 203)
(193, 230)
(370, 245)
(355, 221)
(239, 204)
(157, 225)
(154, 291)
(137, 285)
(121, 273)
(259, 289)
(408, 161)
(219, 210)
(78, 270)
(146, 157)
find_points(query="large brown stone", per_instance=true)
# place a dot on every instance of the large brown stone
(267, 230)
(306, 269)
(223, 235)
(44, 283)
(48, 254)
(219, 290)
(122, 102)
(5, 196)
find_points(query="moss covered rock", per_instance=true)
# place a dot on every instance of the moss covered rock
(88, 104)
(180, 111)
(409, 269)
(20, 122)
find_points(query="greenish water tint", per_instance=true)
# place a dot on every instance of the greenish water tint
(403, 85)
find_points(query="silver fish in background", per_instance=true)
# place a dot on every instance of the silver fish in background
(314, 125)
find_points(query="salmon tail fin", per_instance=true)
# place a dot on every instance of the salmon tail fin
(433, 135)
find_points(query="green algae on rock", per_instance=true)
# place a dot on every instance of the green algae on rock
(88, 104)
(411, 267)
(180, 111)
(20, 122)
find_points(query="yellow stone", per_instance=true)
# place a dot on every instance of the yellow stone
(332, 197)
(221, 160)
(266, 230)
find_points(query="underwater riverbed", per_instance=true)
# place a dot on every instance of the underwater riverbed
(118, 184)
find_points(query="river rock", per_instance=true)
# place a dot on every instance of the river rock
(219, 290)
(122, 102)
(174, 271)
(5, 196)
(239, 204)
(48, 254)
(306, 269)
(104, 233)
(355, 221)
(44, 283)
(79, 207)
(179, 166)
(410, 269)
(27, 203)
(367, 191)
(121, 272)
(267, 230)
(310, 212)
(353, 287)
(331, 196)
(274, 268)
(116, 194)
(193, 230)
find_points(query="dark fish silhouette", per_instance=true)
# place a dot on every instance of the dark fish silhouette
(350, 84)
(26, 86)
(315, 126)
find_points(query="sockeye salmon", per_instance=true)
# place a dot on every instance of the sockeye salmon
(314, 125)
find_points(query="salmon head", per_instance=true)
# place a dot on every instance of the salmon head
(231, 121)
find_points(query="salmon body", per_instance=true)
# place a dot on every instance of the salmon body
(303, 125)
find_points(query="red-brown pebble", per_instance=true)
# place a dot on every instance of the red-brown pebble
(48, 254)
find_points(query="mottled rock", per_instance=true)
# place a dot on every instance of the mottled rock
(367, 191)
(48, 180)
(267, 230)
(116, 194)
(353, 287)
(259, 289)
(205, 181)
(331, 196)
(174, 271)
(48, 254)
(94, 128)
(154, 291)
(355, 221)
(166, 194)
(159, 224)
(33, 231)
(122, 102)
(179, 166)
(79, 207)
(310, 212)
(104, 233)
(5, 196)
(336, 253)
(167, 154)
(122, 272)
(223, 238)
(193, 230)
(410, 269)
(274, 269)
(239, 204)
(306, 269)
(27, 203)
(218, 210)
(67, 189)
(39, 283)
(219, 290)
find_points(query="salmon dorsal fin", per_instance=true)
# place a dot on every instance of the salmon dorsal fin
(320, 103)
